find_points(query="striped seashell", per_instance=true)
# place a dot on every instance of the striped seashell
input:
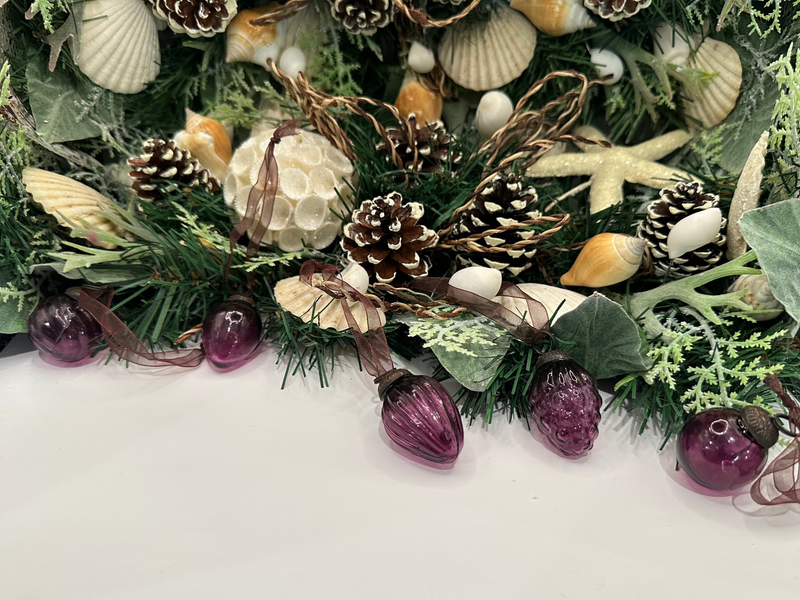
(713, 100)
(555, 17)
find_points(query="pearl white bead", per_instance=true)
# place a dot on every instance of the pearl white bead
(421, 58)
(493, 112)
(292, 61)
(607, 63)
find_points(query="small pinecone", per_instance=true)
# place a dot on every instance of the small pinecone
(195, 17)
(385, 238)
(662, 215)
(614, 10)
(363, 17)
(162, 160)
(431, 141)
(503, 202)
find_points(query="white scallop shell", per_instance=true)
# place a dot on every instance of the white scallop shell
(308, 302)
(671, 44)
(550, 296)
(69, 200)
(493, 112)
(488, 54)
(694, 231)
(712, 101)
(483, 281)
(119, 45)
(759, 296)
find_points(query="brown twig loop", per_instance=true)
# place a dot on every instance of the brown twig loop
(469, 244)
(279, 13)
(422, 18)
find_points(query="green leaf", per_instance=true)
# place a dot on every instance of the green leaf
(774, 233)
(607, 342)
(15, 310)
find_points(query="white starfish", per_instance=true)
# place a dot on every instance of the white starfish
(609, 168)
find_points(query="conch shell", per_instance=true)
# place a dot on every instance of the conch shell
(251, 43)
(414, 98)
(488, 54)
(557, 301)
(311, 303)
(710, 102)
(555, 17)
(209, 141)
(72, 203)
(606, 259)
(759, 296)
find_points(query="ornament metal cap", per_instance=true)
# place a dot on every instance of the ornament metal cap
(388, 378)
(760, 425)
(552, 356)
(241, 298)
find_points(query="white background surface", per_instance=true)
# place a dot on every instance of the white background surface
(141, 484)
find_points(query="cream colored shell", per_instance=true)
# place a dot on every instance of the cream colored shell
(119, 47)
(311, 303)
(694, 231)
(606, 259)
(485, 55)
(746, 195)
(69, 200)
(758, 295)
(251, 43)
(208, 140)
(555, 17)
(710, 102)
(557, 301)
(311, 175)
(414, 98)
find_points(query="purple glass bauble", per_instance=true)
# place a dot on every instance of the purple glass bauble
(231, 332)
(565, 403)
(716, 450)
(61, 329)
(420, 416)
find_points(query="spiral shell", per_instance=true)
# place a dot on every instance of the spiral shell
(489, 54)
(606, 259)
(758, 295)
(555, 17)
(416, 99)
(208, 140)
(710, 102)
(251, 43)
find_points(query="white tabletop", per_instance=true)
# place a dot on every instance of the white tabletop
(140, 484)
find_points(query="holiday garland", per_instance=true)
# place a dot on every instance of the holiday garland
(627, 213)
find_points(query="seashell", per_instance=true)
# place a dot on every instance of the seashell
(555, 17)
(746, 195)
(308, 302)
(671, 44)
(606, 259)
(293, 61)
(483, 281)
(607, 63)
(557, 301)
(694, 231)
(251, 43)
(758, 295)
(710, 102)
(415, 99)
(119, 48)
(488, 54)
(421, 58)
(493, 112)
(208, 141)
(69, 200)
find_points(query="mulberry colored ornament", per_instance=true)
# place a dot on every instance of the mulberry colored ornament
(420, 416)
(427, 150)
(385, 238)
(363, 17)
(231, 332)
(565, 403)
(196, 18)
(614, 10)
(62, 330)
(504, 202)
(724, 448)
(164, 163)
(684, 200)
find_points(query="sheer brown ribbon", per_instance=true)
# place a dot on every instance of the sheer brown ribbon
(505, 318)
(261, 194)
(122, 341)
(780, 481)
(374, 351)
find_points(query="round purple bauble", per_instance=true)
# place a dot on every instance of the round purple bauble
(420, 416)
(62, 330)
(231, 332)
(565, 403)
(724, 448)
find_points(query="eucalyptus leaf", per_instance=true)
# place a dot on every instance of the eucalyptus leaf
(736, 146)
(773, 231)
(607, 342)
(99, 275)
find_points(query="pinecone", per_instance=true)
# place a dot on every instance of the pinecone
(431, 141)
(385, 238)
(363, 17)
(195, 18)
(503, 202)
(662, 215)
(614, 10)
(162, 160)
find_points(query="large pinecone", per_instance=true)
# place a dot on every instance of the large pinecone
(161, 161)
(662, 215)
(363, 17)
(614, 10)
(431, 141)
(385, 238)
(503, 202)
(196, 17)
